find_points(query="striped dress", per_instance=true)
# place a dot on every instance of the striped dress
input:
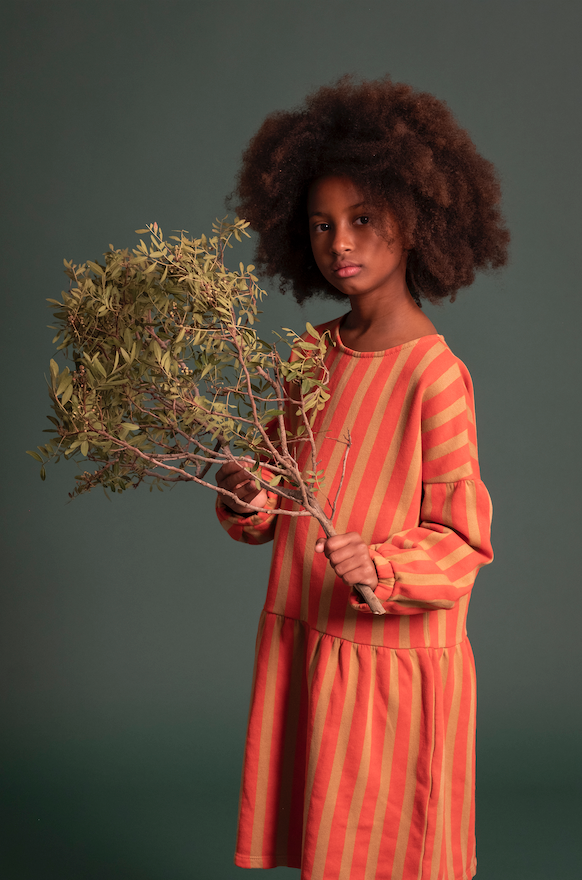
(360, 752)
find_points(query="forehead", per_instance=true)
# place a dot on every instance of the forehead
(333, 192)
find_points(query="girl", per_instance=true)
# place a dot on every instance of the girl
(360, 754)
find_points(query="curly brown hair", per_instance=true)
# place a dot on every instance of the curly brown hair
(405, 151)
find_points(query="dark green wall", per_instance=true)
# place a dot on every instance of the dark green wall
(129, 626)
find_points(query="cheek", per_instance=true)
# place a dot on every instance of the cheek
(316, 249)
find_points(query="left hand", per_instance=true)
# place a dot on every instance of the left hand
(350, 559)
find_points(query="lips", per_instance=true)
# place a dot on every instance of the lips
(345, 269)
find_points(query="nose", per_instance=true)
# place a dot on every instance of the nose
(342, 241)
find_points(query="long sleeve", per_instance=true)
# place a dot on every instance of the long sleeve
(258, 528)
(433, 564)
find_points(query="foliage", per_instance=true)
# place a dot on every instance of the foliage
(171, 377)
(169, 373)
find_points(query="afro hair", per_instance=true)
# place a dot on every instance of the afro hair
(405, 152)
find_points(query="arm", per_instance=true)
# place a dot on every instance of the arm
(435, 564)
(432, 565)
(242, 525)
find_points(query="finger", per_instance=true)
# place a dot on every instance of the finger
(349, 552)
(347, 540)
(239, 478)
(226, 471)
(234, 488)
(233, 467)
(359, 575)
(354, 573)
(335, 543)
(248, 495)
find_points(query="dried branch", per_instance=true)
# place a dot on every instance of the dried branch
(171, 378)
(343, 473)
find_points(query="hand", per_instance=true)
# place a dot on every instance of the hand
(350, 559)
(233, 478)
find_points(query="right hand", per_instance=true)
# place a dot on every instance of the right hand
(233, 478)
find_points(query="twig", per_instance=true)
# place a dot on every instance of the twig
(343, 473)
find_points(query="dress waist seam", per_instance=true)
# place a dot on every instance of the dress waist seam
(307, 625)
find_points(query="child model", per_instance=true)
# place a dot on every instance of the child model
(360, 755)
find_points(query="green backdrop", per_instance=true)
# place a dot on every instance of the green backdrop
(129, 626)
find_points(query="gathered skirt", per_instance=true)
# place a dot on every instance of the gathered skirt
(360, 759)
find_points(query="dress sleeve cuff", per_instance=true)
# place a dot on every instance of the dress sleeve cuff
(254, 528)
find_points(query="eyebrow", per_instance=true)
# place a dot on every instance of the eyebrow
(323, 214)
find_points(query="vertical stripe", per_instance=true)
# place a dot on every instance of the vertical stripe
(462, 606)
(450, 734)
(467, 819)
(265, 746)
(334, 468)
(360, 744)
(361, 780)
(320, 701)
(339, 757)
(289, 757)
(426, 630)
(410, 782)
(404, 632)
(247, 757)
(436, 872)
(392, 701)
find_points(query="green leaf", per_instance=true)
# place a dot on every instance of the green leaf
(35, 455)
(67, 394)
(119, 309)
(65, 380)
(99, 367)
(42, 473)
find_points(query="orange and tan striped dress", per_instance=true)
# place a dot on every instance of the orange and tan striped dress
(360, 753)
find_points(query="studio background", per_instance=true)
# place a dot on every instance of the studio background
(128, 627)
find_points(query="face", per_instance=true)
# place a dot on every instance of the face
(350, 241)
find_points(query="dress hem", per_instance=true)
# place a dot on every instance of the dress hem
(267, 862)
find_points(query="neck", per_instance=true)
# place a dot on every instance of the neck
(375, 324)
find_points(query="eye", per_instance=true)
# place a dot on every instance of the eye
(363, 220)
(321, 227)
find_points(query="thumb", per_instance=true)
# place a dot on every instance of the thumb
(319, 545)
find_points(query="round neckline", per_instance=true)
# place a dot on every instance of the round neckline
(354, 353)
